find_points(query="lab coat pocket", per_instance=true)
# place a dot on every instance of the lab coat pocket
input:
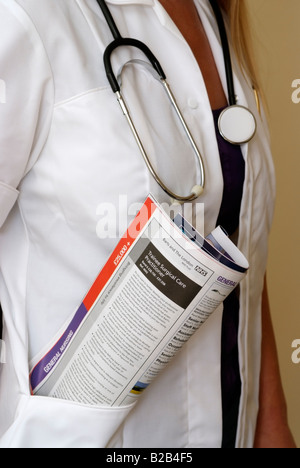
(44, 422)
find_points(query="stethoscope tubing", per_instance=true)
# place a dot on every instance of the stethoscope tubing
(226, 53)
(118, 42)
(235, 112)
(124, 42)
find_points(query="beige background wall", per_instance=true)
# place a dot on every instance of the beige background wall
(277, 44)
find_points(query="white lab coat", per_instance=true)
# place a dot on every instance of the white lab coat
(65, 148)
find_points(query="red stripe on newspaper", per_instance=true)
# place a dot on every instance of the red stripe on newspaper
(123, 246)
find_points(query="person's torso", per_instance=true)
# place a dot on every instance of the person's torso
(90, 172)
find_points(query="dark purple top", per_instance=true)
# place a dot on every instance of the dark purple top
(233, 168)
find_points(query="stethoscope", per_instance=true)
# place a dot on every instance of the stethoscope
(236, 123)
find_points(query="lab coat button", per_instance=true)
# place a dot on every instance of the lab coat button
(193, 103)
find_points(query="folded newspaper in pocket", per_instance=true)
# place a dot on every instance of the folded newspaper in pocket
(161, 283)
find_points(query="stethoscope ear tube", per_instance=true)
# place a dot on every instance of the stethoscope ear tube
(125, 42)
(237, 124)
(197, 190)
(119, 41)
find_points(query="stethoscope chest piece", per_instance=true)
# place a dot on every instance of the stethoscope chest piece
(237, 125)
